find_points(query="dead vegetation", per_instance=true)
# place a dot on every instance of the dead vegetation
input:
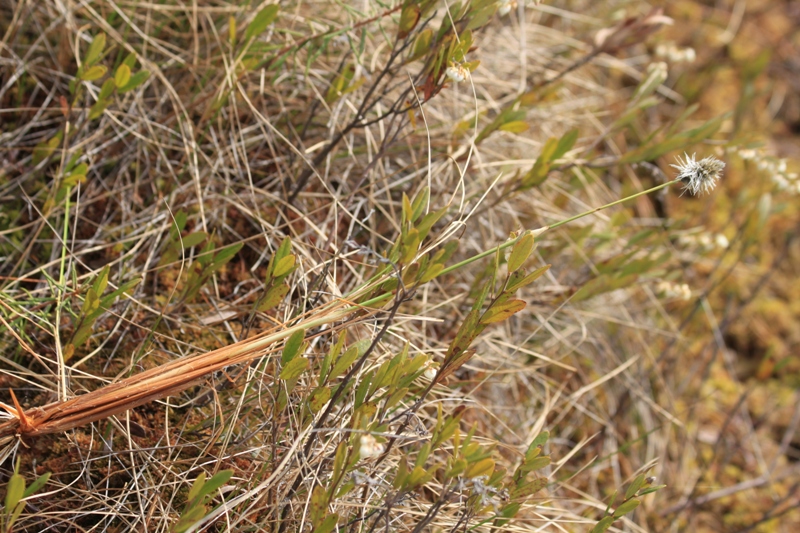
(228, 241)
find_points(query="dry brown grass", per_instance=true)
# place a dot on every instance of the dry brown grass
(625, 379)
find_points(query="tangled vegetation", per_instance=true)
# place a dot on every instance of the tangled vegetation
(414, 266)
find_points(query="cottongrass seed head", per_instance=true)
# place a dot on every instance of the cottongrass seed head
(699, 176)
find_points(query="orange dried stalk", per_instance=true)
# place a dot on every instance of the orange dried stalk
(156, 383)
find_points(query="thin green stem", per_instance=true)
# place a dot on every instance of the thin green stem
(596, 209)
(541, 230)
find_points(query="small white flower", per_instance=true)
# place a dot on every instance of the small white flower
(684, 292)
(699, 176)
(721, 241)
(506, 6)
(456, 72)
(672, 291)
(748, 154)
(370, 447)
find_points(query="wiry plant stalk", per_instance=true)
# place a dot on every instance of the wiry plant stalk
(161, 381)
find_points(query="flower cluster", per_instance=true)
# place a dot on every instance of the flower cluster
(674, 291)
(671, 52)
(699, 176)
(704, 241)
(370, 447)
(777, 169)
(456, 72)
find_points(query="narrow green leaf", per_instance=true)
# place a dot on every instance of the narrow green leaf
(294, 368)
(197, 486)
(498, 313)
(535, 464)
(520, 252)
(626, 507)
(264, 18)
(14, 490)
(409, 17)
(284, 266)
(327, 524)
(319, 398)
(215, 482)
(193, 239)
(40, 482)
(515, 126)
(484, 467)
(344, 362)
(292, 346)
(122, 76)
(273, 297)
(603, 525)
(106, 90)
(136, 80)
(565, 144)
(95, 49)
(93, 73)
(634, 487)
(226, 254)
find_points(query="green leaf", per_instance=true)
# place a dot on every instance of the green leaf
(93, 73)
(484, 467)
(526, 489)
(319, 398)
(81, 335)
(264, 18)
(535, 464)
(215, 482)
(603, 525)
(136, 80)
(420, 203)
(193, 239)
(498, 313)
(284, 266)
(292, 346)
(273, 297)
(40, 482)
(95, 49)
(122, 76)
(99, 107)
(422, 45)
(634, 486)
(197, 486)
(344, 362)
(626, 507)
(294, 368)
(539, 442)
(226, 254)
(520, 252)
(515, 126)
(106, 90)
(14, 490)
(482, 17)
(565, 144)
(327, 525)
(101, 281)
(648, 490)
(409, 17)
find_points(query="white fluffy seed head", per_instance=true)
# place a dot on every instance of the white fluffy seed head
(699, 176)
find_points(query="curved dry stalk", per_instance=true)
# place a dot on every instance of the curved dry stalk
(164, 380)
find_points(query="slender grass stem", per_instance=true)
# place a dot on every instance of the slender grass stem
(541, 230)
